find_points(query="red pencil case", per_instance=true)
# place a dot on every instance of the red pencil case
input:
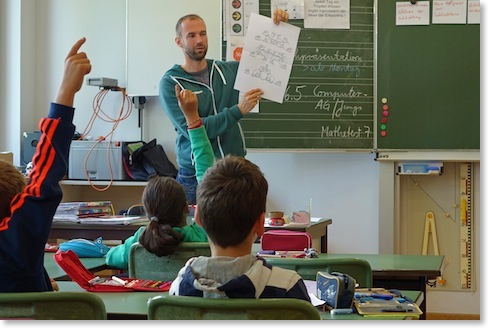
(73, 267)
(286, 240)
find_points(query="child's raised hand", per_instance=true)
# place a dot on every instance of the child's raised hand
(76, 66)
(188, 102)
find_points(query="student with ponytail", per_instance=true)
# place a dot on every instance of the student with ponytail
(164, 199)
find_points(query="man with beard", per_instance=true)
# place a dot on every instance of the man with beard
(219, 106)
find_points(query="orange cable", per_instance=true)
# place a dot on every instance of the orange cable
(97, 113)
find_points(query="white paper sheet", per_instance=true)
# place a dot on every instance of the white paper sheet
(267, 57)
(449, 12)
(330, 14)
(413, 14)
(474, 12)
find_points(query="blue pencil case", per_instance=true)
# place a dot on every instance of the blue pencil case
(85, 248)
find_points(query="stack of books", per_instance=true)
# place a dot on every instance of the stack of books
(77, 211)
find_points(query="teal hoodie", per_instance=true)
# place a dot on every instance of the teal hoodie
(118, 256)
(217, 106)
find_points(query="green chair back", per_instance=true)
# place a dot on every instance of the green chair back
(199, 308)
(307, 268)
(52, 306)
(146, 265)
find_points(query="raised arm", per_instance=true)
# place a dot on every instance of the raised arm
(200, 145)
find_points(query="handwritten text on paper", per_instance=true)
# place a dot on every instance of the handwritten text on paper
(267, 57)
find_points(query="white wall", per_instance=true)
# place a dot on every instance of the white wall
(343, 186)
(10, 13)
(59, 24)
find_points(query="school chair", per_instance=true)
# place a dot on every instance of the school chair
(146, 265)
(307, 268)
(52, 306)
(199, 308)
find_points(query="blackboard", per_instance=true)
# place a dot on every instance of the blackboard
(430, 78)
(329, 98)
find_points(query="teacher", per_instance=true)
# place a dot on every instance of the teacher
(219, 106)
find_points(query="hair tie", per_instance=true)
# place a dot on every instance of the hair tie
(155, 219)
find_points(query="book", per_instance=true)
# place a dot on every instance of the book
(74, 211)
(113, 220)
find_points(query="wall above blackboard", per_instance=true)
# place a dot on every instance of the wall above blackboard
(329, 98)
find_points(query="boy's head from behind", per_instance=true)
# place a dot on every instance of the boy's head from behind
(11, 183)
(231, 197)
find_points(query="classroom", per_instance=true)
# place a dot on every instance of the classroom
(374, 209)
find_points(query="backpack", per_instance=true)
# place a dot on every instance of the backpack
(142, 160)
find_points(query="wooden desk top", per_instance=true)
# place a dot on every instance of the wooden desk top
(78, 226)
(312, 225)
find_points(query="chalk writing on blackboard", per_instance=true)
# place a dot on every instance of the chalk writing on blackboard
(328, 101)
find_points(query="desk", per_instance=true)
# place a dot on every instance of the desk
(405, 272)
(315, 229)
(54, 271)
(119, 305)
(66, 230)
(133, 305)
(416, 296)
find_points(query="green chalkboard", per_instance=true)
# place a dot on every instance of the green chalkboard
(329, 98)
(429, 76)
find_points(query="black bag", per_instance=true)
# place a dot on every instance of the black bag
(142, 160)
(336, 289)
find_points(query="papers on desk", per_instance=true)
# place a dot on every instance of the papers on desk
(113, 219)
(312, 292)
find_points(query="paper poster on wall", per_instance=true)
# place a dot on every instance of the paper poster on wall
(449, 12)
(413, 14)
(234, 48)
(236, 17)
(474, 12)
(267, 57)
(331, 14)
(294, 8)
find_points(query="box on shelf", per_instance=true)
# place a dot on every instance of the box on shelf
(96, 154)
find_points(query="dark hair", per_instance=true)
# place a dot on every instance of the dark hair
(180, 21)
(11, 183)
(231, 197)
(165, 204)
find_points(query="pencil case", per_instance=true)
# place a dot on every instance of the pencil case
(286, 240)
(85, 248)
(73, 267)
(336, 289)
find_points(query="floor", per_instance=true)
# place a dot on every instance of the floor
(452, 316)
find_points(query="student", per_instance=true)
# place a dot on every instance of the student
(165, 204)
(231, 209)
(165, 201)
(26, 211)
(219, 104)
